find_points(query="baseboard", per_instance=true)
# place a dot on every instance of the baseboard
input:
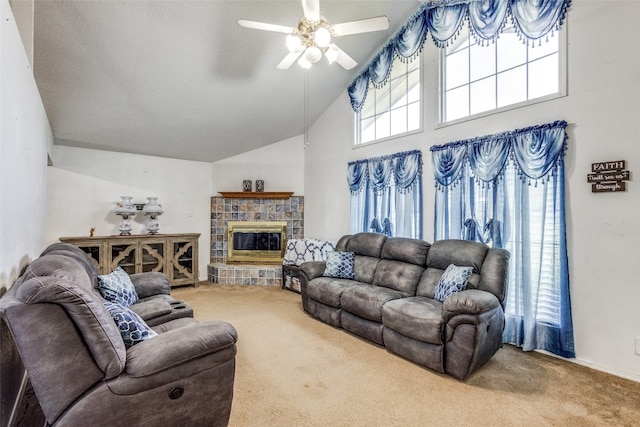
(618, 373)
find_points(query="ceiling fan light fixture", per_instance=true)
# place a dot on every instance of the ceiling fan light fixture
(322, 36)
(293, 42)
(304, 63)
(313, 36)
(313, 54)
(332, 54)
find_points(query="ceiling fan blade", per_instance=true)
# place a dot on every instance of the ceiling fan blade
(362, 26)
(343, 59)
(311, 10)
(264, 26)
(290, 58)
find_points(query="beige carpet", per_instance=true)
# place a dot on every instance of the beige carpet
(293, 370)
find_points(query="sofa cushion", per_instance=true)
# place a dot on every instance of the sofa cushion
(69, 250)
(368, 244)
(398, 275)
(365, 268)
(419, 318)
(151, 308)
(366, 301)
(454, 279)
(445, 252)
(131, 326)
(340, 265)
(328, 290)
(117, 287)
(88, 313)
(58, 265)
(458, 252)
(412, 251)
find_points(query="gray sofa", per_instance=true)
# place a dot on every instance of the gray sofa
(79, 367)
(391, 299)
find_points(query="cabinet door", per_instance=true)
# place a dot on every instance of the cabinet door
(123, 255)
(95, 254)
(183, 268)
(152, 257)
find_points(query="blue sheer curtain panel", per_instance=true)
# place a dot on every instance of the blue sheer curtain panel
(386, 194)
(507, 190)
(533, 20)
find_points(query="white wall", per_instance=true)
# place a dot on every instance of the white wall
(279, 165)
(84, 186)
(25, 138)
(602, 110)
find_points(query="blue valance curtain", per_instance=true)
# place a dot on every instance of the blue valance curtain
(386, 194)
(507, 190)
(533, 19)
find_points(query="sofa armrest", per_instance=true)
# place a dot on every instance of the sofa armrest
(470, 302)
(179, 346)
(150, 284)
(308, 271)
(312, 269)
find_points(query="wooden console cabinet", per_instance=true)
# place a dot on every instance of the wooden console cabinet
(175, 255)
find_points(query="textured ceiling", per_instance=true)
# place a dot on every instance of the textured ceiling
(180, 79)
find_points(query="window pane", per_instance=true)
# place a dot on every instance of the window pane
(461, 42)
(457, 103)
(383, 99)
(512, 86)
(457, 69)
(414, 86)
(398, 92)
(383, 128)
(483, 95)
(511, 51)
(545, 48)
(399, 69)
(367, 130)
(413, 65)
(483, 60)
(399, 120)
(369, 107)
(414, 116)
(543, 76)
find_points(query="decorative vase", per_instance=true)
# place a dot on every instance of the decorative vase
(259, 185)
(126, 209)
(152, 210)
(246, 185)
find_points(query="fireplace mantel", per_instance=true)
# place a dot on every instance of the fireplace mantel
(256, 195)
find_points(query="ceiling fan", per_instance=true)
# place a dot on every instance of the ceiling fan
(313, 36)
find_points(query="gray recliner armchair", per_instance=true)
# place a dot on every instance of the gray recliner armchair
(80, 369)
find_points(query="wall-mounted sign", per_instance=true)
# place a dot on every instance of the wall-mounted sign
(608, 176)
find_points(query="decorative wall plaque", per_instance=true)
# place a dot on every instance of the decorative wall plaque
(608, 176)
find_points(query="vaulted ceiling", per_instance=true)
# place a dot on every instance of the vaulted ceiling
(180, 79)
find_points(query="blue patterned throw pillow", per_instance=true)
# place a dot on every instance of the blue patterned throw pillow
(117, 287)
(340, 265)
(132, 328)
(454, 279)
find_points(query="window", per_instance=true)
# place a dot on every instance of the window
(518, 205)
(477, 79)
(386, 194)
(393, 109)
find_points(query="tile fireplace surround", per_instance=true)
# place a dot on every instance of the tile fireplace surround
(224, 209)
